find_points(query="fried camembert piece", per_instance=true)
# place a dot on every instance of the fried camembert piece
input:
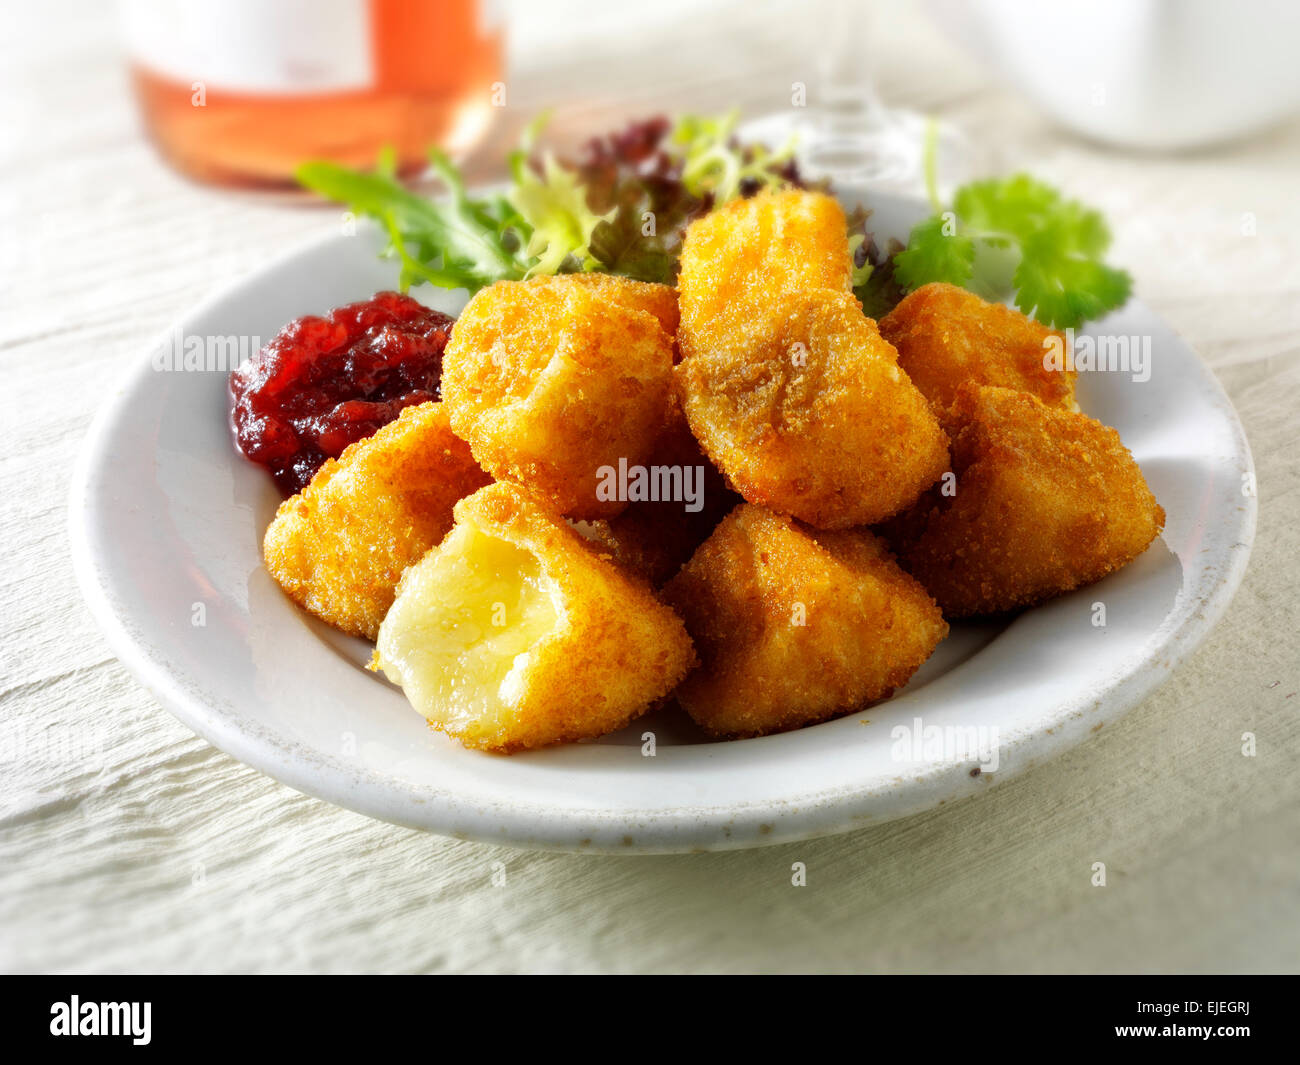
(1044, 500)
(654, 538)
(739, 259)
(551, 380)
(794, 626)
(947, 336)
(806, 412)
(659, 300)
(515, 633)
(338, 547)
(650, 540)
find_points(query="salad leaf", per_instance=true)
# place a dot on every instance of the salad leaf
(873, 269)
(714, 165)
(555, 207)
(622, 207)
(544, 223)
(459, 243)
(1061, 282)
(624, 204)
(879, 291)
(1018, 236)
(553, 204)
(636, 173)
(641, 240)
(935, 254)
(659, 177)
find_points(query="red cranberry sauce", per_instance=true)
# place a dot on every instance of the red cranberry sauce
(323, 383)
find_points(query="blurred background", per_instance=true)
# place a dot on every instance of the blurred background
(237, 93)
(172, 113)
(145, 154)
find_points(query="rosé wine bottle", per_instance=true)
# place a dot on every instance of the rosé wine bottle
(239, 92)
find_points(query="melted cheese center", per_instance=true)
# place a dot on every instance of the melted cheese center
(459, 637)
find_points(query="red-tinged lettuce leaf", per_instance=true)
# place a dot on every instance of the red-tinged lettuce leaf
(881, 292)
(637, 171)
(633, 172)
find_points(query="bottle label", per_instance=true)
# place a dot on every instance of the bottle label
(272, 47)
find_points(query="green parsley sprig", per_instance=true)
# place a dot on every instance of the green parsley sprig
(1018, 236)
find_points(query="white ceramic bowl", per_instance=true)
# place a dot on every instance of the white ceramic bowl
(167, 522)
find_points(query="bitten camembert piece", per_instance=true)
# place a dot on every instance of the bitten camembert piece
(1044, 500)
(515, 633)
(338, 547)
(947, 336)
(553, 379)
(805, 410)
(795, 626)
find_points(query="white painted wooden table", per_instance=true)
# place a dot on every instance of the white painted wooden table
(128, 844)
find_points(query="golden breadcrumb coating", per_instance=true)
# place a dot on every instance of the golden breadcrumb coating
(739, 259)
(654, 539)
(550, 382)
(514, 633)
(1045, 500)
(806, 412)
(947, 336)
(650, 540)
(338, 547)
(659, 300)
(794, 626)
